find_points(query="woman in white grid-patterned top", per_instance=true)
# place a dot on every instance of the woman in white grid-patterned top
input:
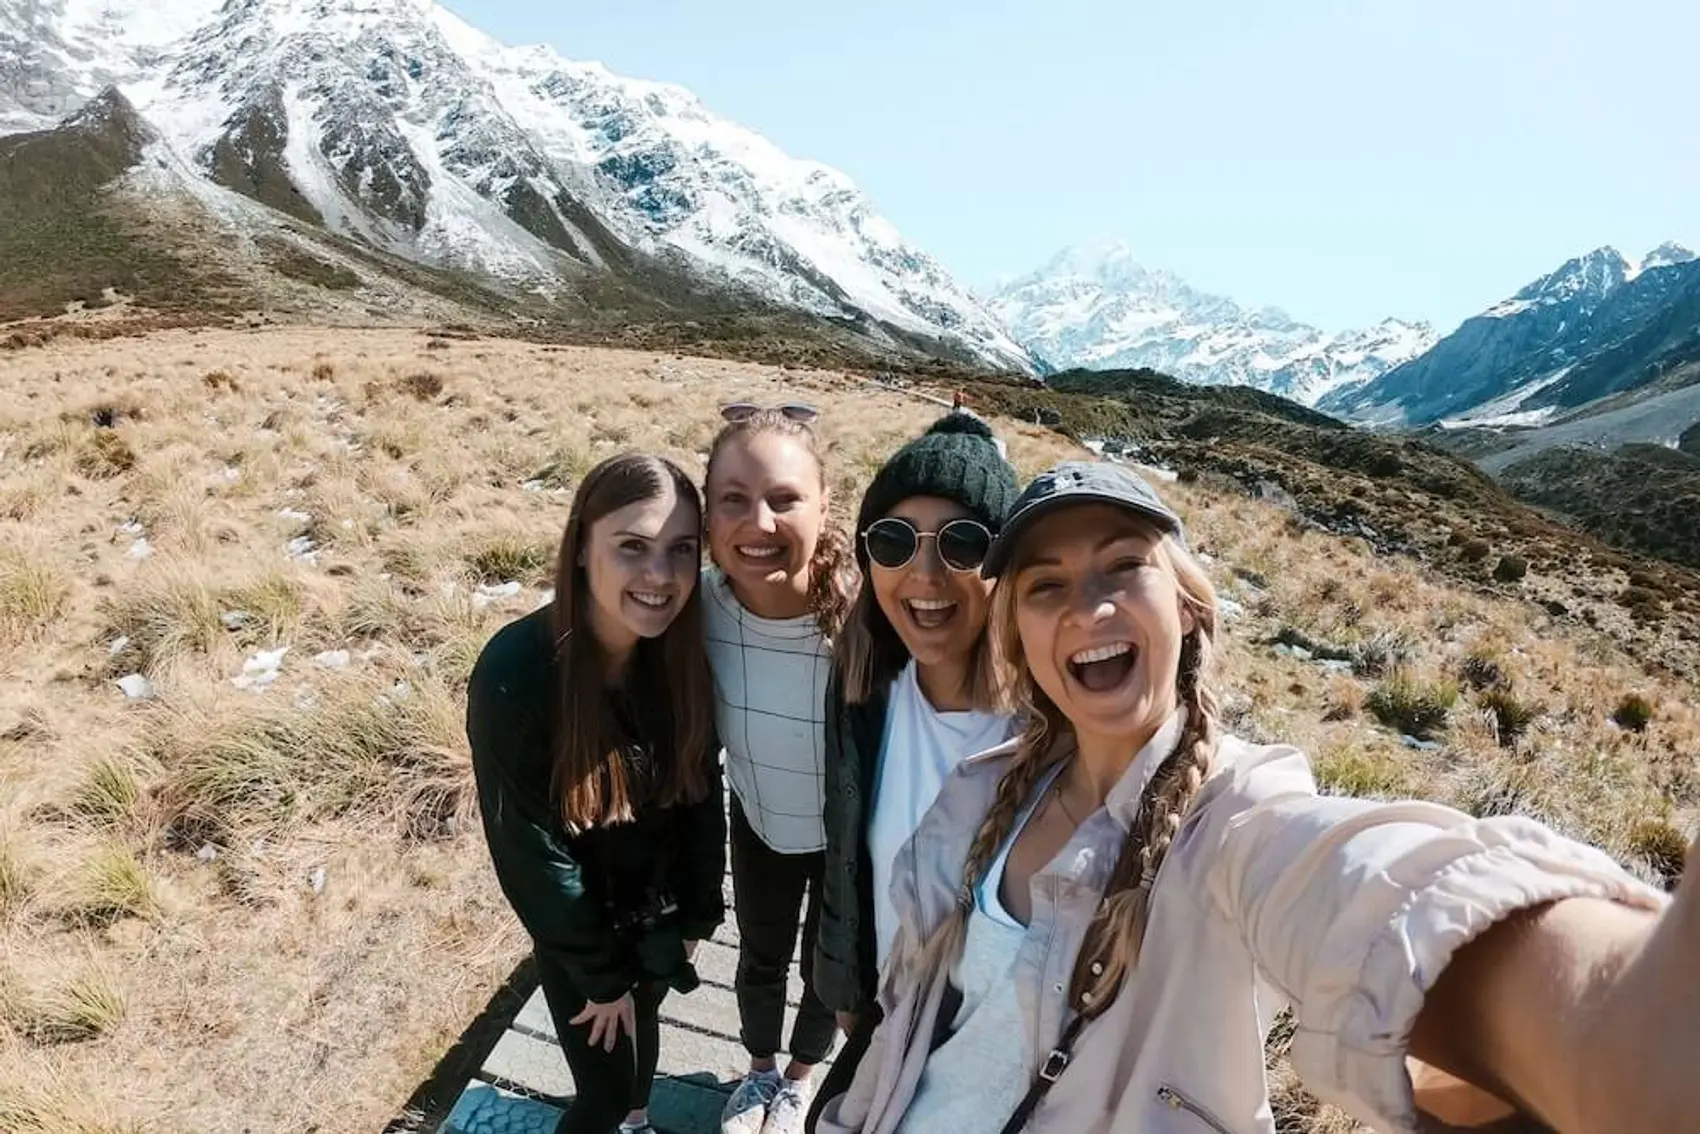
(773, 602)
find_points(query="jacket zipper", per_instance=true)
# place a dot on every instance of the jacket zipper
(1174, 1100)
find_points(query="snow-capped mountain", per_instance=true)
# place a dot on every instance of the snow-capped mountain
(1598, 325)
(395, 122)
(1096, 306)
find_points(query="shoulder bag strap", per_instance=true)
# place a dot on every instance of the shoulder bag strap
(1049, 1072)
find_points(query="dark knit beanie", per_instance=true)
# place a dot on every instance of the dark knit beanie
(957, 459)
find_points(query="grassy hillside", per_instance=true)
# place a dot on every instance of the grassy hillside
(263, 892)
(1645, 497)
(61, 242)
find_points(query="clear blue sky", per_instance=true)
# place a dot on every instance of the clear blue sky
(1342, 160)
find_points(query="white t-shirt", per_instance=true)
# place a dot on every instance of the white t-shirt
(975, 1079)
(770, 680)
(920, 748)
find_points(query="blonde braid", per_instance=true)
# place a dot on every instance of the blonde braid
(1111, 946)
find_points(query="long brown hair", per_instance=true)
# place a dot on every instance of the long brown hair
(590, 778)
(1110, 949)
(833, 577)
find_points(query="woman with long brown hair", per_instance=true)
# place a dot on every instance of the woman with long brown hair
(599, 782)
(1100, 920)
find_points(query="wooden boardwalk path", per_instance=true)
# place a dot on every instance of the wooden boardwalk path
(524, 1081)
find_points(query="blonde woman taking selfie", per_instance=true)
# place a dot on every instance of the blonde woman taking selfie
(1100, 920)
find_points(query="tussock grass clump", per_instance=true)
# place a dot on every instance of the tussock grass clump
(33, 592)
(1510, 568)
(114, 884)
(55, 1107)
(1352, 770)
(164, 613)
(1343, 701)
(564, 468)
(505, 560)
(1662, 845)
(1634, 712)
(422, 385)
(1382, 653)
(14, 882)
(1475, 550)
(1511, 716)
(1482, 670)
(110, 793)
(105, 455)
(80, 1010)
(1416, 708)
(365, 750)
(220, 380)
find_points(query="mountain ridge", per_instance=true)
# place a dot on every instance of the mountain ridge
(1596, 326)
(1097, 306)
(398, 124)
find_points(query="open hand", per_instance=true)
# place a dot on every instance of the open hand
(606, 1020)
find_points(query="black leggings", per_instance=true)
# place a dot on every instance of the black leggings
(607, 1085)
(768, 897)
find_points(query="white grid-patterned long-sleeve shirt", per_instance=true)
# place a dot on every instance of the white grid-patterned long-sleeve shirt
(770, 679)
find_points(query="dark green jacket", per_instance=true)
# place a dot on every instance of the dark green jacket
(570, 891)
(846, 956)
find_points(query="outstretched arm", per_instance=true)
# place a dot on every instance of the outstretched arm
(1490, 948)
(1585, 1014)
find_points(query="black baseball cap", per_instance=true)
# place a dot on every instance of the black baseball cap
(1078, 482)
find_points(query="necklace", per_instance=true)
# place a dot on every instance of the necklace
(1057, 793)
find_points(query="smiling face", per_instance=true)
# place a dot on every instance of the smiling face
(640, 563)
(939, 613)
(766, 507)
(1100, 617)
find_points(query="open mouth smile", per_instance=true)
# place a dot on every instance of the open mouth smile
(930, 614)
(1103, 668)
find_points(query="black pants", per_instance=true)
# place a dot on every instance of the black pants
(844, 1064)
(768, 890)
(607, 1085)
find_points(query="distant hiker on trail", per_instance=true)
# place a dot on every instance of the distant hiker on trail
(1100, 919)
(916, 686)
(773, 603)
(599, 781)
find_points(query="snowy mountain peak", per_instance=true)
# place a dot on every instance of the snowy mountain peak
(397, 123)
(1096, 306)
(1665, 255)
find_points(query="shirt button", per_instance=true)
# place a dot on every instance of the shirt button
(1056, 988)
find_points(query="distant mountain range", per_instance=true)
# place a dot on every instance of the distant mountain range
(1598, 326)
(394, 124)
(1097, 307)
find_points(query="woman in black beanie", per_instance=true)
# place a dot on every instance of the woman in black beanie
(915, 687)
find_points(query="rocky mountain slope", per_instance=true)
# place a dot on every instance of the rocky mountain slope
(394, 124)
(1599, 325)
(1098, 307)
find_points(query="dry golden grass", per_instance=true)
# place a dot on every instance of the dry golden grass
(280, 885)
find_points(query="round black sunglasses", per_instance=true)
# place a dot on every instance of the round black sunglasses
(893, 542)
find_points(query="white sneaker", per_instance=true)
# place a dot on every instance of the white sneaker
(789, 1108)
(746, 1110)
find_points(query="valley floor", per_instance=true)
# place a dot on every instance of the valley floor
(244, 576)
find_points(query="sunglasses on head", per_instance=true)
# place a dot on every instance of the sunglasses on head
(893, 542)
(795, 411)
